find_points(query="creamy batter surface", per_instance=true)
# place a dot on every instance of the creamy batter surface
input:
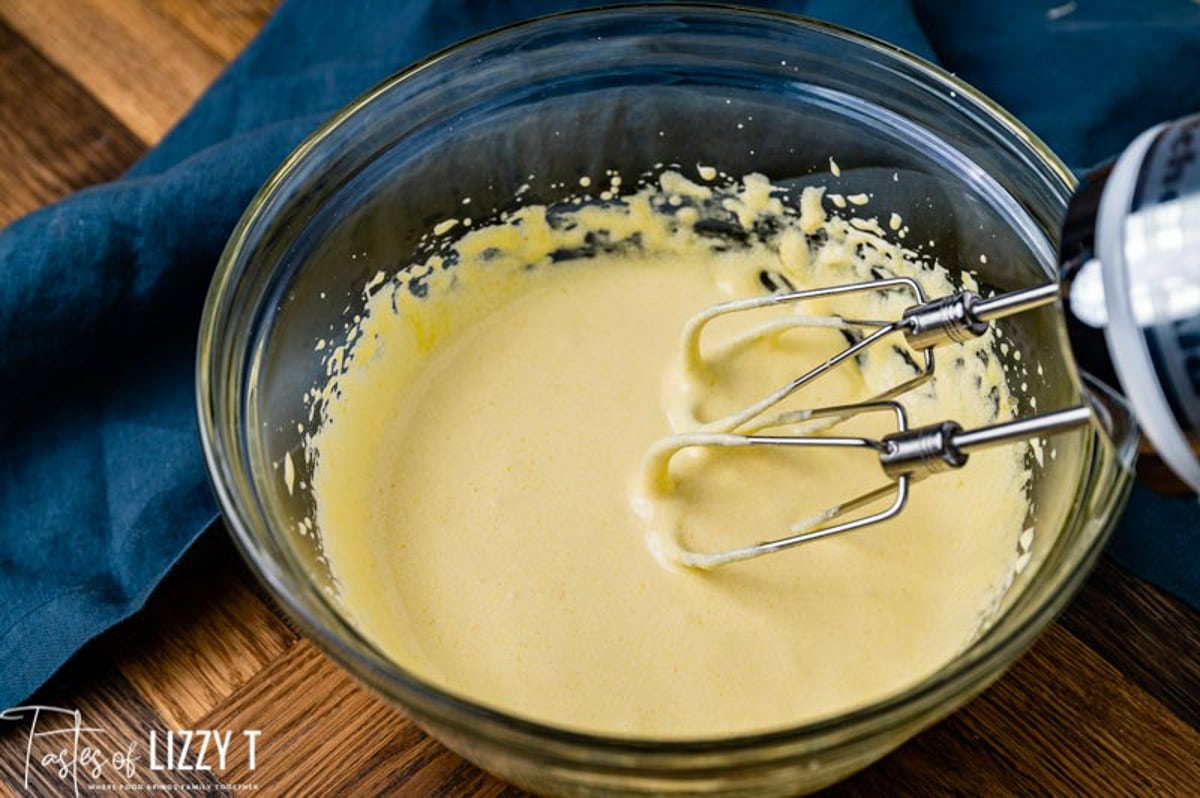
(485, 503)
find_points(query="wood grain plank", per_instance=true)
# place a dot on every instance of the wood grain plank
(429, 769)
(224, 26)
(107, 703)
(1063, 721)
(54, 137)
(203, 634)
(142, 66)
(1151, 638)
(323, 734)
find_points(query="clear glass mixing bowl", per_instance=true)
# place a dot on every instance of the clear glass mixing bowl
(543, 103)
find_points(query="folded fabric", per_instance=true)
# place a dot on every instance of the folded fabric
(102, 484)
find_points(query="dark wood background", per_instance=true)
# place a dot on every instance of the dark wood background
(1106, 703)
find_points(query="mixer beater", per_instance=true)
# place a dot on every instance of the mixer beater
(925, 325)
(905, 455)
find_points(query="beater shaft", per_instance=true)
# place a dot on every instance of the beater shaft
(1014, 302)
(939, 447)
(959, 317)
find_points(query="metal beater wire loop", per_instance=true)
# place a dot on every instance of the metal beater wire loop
(695, 327)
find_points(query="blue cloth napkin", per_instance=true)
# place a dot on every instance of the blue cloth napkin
(102, 485)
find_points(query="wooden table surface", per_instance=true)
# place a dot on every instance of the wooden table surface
(1106, 703)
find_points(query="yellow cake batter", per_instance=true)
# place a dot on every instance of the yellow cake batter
(483, 501)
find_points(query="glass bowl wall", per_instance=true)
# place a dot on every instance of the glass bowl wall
(633, 89)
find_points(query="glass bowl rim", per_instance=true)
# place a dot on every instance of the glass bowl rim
(383, 674)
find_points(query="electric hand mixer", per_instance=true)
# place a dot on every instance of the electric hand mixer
(1129, 267)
